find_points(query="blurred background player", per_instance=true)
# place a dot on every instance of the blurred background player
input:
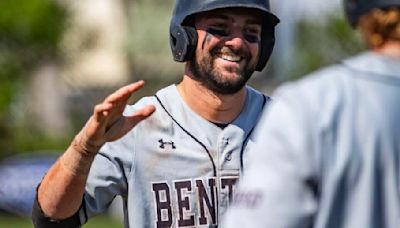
(327, 152)
(177, 167)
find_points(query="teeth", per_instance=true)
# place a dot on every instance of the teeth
(231, 58)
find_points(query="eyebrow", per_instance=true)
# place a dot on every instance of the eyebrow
(225, 17)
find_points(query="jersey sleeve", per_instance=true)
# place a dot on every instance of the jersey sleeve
(279, 188)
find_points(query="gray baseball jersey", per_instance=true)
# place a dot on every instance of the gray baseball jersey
(327, 152)
(174, 169)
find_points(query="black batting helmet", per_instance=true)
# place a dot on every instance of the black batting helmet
(183, 38)
(354, 9)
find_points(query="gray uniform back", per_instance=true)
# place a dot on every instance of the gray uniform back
(175, 168)
(327, 152)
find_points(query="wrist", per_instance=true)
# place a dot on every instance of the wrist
(77, 159)
(85, 147)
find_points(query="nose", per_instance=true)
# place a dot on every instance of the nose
(236, 40)
(236, 43)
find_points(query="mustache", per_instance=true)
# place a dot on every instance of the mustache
(228, 51)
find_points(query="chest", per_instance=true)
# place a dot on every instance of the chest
(174, 154)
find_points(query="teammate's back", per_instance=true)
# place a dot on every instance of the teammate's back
(327, 152)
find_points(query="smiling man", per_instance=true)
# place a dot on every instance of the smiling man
(173, 157)
(224, 65)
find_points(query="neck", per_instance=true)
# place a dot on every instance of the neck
(391, 49)
(213, 107)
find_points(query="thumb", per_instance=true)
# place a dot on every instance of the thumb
(141, 114)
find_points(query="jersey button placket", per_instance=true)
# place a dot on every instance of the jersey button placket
(228, 155)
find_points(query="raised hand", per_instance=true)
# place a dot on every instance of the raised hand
(108, 122)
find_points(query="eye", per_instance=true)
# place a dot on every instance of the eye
(252, 38)
(217, 31)
(252, 35)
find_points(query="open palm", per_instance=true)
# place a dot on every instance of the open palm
(108, 122)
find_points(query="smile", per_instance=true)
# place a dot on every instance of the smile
(231, 58)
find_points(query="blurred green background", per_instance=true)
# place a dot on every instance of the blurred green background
(59, 58)
(8, 221)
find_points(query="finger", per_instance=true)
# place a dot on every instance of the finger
(144, 112)
(125, 124)
(101, 111)
(120, 97)
(123, 93)
(99, 120)
(140, 115)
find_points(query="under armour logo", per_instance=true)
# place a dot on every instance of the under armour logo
(162, 144)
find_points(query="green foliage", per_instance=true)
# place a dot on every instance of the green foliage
(32, 24)
(9, 76)
(97, 222)
(30, 31)
(148, 40)
(322, 43)
(150, 28)
(27, 140)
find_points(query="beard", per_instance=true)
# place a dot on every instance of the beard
(205, 72)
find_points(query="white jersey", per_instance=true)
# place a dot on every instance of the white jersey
(327, 152)
(174, 169)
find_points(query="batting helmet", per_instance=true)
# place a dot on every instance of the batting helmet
(354, 9)
(183, 38)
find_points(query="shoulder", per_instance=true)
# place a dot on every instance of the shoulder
(165, 94)
(336, 83)
(255, 96)
(314, 101)
(316, 89)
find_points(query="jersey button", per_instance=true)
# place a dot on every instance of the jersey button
(228, 156)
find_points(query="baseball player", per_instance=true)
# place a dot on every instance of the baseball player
(327, 151)
(173, 157)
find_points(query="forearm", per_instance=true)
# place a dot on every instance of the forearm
(61, 191)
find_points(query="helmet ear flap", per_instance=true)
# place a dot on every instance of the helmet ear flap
(266, 46)
(192, 42)
(183, 41)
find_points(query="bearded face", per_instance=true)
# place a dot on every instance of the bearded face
(207, 71)
(227, 49)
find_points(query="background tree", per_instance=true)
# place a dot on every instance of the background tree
(30, 31)
(321, 43)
